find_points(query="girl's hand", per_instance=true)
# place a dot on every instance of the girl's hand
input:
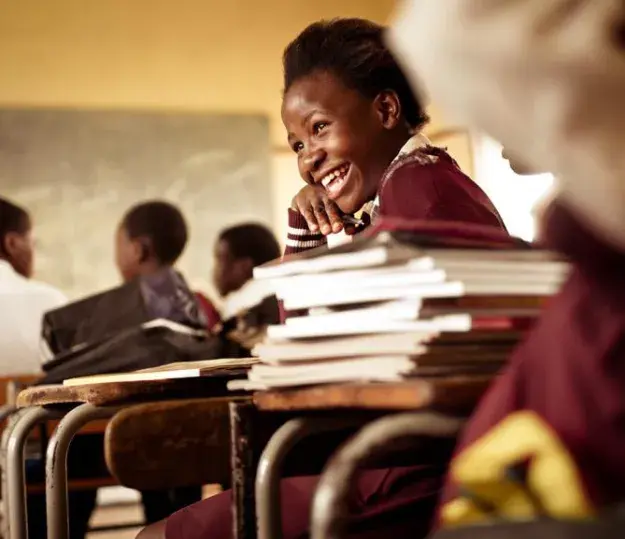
(321, 213)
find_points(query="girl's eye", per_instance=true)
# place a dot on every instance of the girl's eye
(319, 126)
(298, 147)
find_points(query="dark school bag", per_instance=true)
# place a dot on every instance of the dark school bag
(148, 322)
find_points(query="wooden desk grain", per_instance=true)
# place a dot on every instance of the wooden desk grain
(458, 394)
(123, 392)
(170, 444)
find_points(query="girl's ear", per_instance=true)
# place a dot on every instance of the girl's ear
(388, 108)
(9, 244)
(142, 250)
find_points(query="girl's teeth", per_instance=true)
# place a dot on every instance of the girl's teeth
(339, 173)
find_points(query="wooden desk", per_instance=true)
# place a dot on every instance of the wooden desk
(458, 394)
(114, 393)
(170, 444)
(8, 383)
(77, 406)
(322, 409)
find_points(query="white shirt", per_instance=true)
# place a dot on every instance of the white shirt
(544, 78)
(22, 305)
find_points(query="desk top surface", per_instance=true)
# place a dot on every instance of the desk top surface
(123, 392)
(455, 393)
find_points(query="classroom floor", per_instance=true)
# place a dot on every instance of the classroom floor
(114, 514)
(117, 505)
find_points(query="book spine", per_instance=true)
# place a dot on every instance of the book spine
(500, 323)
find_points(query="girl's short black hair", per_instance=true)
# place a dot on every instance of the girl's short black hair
(354, 50)
(163, 224)
(251, 240)
(13, 219)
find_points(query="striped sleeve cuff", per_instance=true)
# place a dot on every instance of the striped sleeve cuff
(299, 238)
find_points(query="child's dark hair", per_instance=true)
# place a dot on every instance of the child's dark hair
(354, 50)
(251, 240)
(163, 224)
(12, 219)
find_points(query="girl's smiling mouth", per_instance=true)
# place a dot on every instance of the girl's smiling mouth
(335, 180)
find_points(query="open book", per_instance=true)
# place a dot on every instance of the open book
(172, 371)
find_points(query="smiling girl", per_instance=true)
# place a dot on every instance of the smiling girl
(355, 126)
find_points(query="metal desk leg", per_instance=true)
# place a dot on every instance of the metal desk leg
(242, 461)
(6, 412)
(331, 500)
(16, 477)
(268, 475)
(56, 465)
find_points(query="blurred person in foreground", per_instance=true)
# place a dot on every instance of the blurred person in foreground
(551, 91)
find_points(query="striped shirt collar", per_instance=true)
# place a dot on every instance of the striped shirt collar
(416, 142)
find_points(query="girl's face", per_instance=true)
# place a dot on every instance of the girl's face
(343, 140)
(229, 273)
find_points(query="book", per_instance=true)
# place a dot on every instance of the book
(449, 305)
(422, 271)
(391, 369)
(406, 309)
(246, 298)
(395, 247)
(431, 276)
(308, 297)
(384, 344)
(447, 323)
(171, 371)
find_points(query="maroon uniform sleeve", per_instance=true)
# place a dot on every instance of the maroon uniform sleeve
(299, 237)
(437, 191)
(565, 233)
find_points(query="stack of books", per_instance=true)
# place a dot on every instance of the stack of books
(399, 305)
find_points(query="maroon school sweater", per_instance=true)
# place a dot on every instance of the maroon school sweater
(562, 398)
(423, 184)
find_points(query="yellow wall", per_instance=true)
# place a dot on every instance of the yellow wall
(190, 54)
(168, 54)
